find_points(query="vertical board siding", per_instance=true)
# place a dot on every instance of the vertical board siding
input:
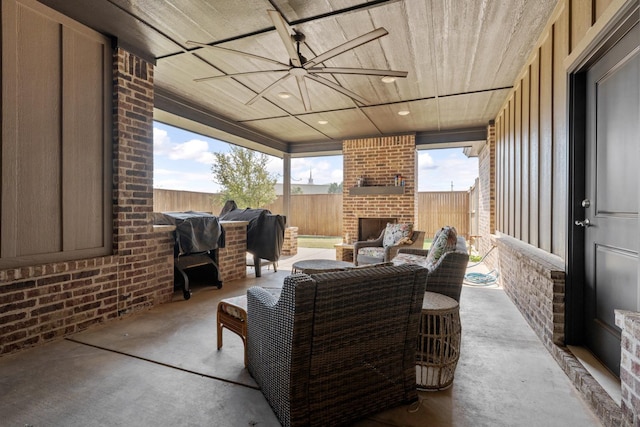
(518, 161)
(511, 193)
(546, 142)
(560, 126)
(37, 135)
(526, 158)
(534, 150)
(531, 133)
(582, 18)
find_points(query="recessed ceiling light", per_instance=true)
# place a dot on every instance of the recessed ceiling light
(403, 112)
(284, 95)
(388, 79)
(322, 122)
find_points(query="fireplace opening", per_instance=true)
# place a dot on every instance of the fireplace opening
(370, 228)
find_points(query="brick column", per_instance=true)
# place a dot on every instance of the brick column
(145, 274)
(232, 259)
(290, 244)
(486, 196)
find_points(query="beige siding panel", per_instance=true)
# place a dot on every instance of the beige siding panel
(8, 146)
(83, 176)
(517, 130)
(601, 6)
(37, 178)
(581, 19)
(512, 163)
(560, 144)
(526, 157)
(534, 152)
(546, 142)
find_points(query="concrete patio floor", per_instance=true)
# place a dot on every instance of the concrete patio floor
(162, 368)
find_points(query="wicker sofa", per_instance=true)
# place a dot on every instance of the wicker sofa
(336, 347)
(447, 274)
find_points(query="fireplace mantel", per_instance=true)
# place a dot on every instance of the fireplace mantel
(362, 191)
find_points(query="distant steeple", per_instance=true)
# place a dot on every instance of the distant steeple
(310, 178)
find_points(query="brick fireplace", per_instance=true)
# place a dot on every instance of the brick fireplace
(377, 161)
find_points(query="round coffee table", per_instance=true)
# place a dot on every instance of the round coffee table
(311, 266)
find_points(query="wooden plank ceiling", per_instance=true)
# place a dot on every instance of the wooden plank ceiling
(462, 57)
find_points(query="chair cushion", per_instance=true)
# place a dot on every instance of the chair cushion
(396, 232)
(446, 241)
(404, 258)
(374, 252)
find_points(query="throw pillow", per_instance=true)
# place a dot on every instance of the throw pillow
(445, 241)
(396, 232)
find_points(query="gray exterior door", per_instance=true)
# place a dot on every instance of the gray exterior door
(612, 196)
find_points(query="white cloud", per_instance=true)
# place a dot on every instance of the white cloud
(185, 181)
(323, 170)
(449, 168)
(425, 161)
(161, 141)
(195, 149)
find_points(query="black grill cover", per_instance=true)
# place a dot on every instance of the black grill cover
(196, 232)
(265, 231)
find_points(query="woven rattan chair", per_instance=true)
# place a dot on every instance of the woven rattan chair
(336, 347)
(447, 275)
(383, 254)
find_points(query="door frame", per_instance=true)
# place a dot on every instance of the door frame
(609, 34)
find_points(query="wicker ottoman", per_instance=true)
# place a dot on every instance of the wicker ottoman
(438, 342)
(232, 314)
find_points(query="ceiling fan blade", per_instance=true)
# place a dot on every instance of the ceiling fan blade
(248, 73)
(353, 43)
(338, 88)
(285, 35)
(267, 89)
(237, 52)
(304, 93)
(364, 71)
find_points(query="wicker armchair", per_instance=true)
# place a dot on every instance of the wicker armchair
(336, 347)
(383, 254)
(447, 275)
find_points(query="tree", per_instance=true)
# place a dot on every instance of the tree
(296, 190)
(335, 188)
(243, 176)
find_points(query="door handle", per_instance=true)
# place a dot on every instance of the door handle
(584, 223)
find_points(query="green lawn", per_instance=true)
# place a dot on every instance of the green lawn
(322, 242)
(327, 242)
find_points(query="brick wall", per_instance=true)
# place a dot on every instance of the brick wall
(629, 322)
(535, 281)
(43, 302)
(378, 160)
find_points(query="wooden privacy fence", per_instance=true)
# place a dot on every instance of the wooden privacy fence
(321, 214)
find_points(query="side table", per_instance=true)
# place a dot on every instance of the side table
(232, 315)
(438, 342)
(344, 252)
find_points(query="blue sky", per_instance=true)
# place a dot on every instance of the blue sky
(182, 161)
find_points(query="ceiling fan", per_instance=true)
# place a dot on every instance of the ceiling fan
(301, 68)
